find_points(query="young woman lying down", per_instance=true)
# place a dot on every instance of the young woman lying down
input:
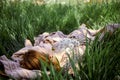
(52, 49)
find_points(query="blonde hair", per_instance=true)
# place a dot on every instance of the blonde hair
(33, 59)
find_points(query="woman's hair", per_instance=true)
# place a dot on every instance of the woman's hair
(34, 59)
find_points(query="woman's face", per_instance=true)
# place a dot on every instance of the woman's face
(18, 56)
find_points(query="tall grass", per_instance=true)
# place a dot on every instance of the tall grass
(102, 59)
(19, 21)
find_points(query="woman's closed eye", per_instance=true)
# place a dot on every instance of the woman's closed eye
(17, 55)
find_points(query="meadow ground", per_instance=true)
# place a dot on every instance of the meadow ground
(19, 21)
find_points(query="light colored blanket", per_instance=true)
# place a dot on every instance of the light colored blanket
(13, 69)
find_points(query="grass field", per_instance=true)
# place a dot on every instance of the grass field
(19, 21)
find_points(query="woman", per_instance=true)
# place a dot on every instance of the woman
(56, 48)
(32, 60)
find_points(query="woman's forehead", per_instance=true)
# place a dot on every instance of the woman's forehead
(25, 49)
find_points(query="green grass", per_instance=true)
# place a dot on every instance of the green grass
(19, 21)
(102, 59)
